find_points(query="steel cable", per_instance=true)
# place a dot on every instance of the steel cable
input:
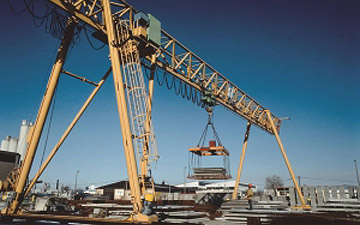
(90, 42)
(49, 126)
(167, 82)
(163, 78)
(13, 10)
(180, 87)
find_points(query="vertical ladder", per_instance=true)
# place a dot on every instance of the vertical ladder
(137, 99)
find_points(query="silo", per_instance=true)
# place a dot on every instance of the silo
(22, 144)
(13, 143)
(5, 144)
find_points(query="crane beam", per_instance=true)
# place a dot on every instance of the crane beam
(176, 59)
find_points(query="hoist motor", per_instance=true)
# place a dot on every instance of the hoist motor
(147, 27)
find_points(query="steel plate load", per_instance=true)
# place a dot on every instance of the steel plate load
(215, 149)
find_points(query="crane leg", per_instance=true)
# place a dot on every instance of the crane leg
(42, 114)
(145, 159)
(131, 163)
(122, 108)
(66, 133)
(242, 157)
(297, 187)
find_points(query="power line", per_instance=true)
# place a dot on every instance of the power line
(324, 179)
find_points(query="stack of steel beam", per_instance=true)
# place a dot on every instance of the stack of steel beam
(208, 173)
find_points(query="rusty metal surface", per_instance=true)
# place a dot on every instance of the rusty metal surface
(67, 218)
(210, 151)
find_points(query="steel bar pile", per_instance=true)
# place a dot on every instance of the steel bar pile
(208, 173)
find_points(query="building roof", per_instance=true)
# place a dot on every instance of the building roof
(117, 185)
(125, 185)
(205, 185)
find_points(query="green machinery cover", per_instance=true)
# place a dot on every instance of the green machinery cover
(154, 30)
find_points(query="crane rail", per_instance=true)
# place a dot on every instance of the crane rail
(176, 59)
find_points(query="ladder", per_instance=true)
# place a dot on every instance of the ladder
(137, 99)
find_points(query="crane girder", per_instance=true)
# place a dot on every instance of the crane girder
(176, 59)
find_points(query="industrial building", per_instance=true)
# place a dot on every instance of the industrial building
(13, 149)
(17, 145)
(8, 162)
(121, 190)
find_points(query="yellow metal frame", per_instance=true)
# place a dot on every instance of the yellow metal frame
(67, 132)
(283, 152)
(242, 158)
(178, 60)
(42, 114)
(122, 108)
(137, 216)
(144, 164)
(182, 64)
(287, 162)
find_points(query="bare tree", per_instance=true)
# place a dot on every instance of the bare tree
(273, 182)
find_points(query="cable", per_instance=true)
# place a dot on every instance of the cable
(91, 44)
(146, 72)
(32, 11)
(167, 82)
(12, 9)
(188, 96)
(324, 179)
(177, 90)
(53, 21)
(45, 78)
(180, 88)
(163, 78)
(49, 127)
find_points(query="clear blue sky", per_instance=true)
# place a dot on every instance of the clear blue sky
(300, 59)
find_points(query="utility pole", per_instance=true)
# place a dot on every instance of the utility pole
(184, 179)
(76, 179)
(357, 176)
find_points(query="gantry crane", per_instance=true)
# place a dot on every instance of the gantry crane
(136, 41)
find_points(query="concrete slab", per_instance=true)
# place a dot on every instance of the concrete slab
(312, 197)
(351, 192)
(334, 193)
(306, 193)
(326, 193)
(342, 192)
(319, 194)
(292, 196)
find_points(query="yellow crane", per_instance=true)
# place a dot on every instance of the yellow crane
(131, 35)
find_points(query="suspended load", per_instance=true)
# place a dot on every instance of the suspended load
(199, 154)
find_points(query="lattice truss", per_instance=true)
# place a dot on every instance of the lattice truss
(174, 58)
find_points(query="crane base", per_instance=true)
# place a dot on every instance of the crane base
(142, 218)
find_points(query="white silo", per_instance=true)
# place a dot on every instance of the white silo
(22, 144)
(13, 143)
(5, 144)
